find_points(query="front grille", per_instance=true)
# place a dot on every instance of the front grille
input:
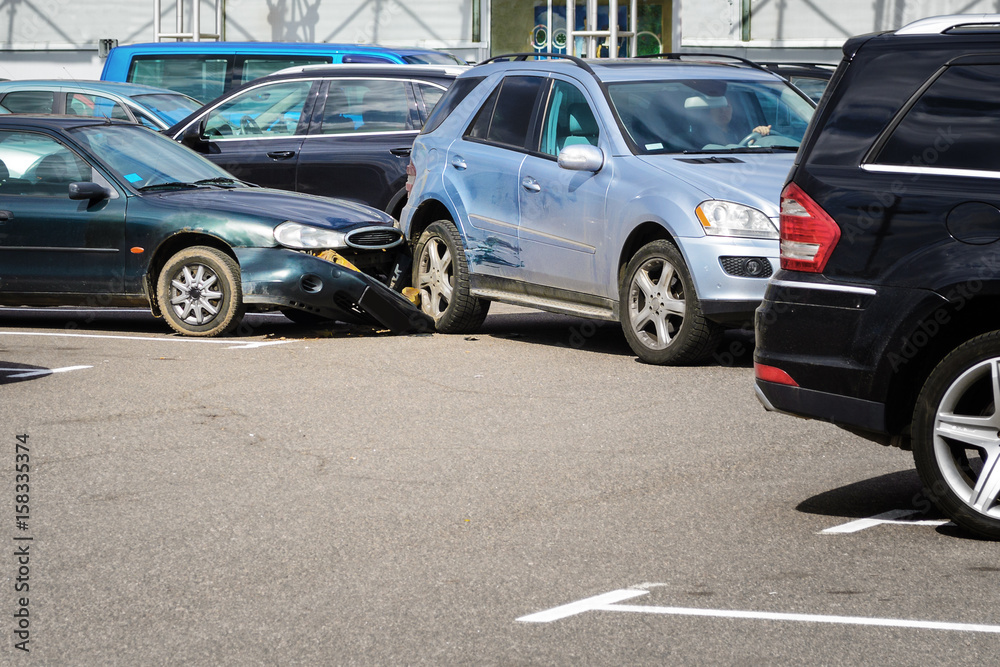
(373, 238)
(747, 267)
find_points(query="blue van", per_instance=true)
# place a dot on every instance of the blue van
(205, 70)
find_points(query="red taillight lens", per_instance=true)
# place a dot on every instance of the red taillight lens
(808, 233)
(772, 374)
(411, 175)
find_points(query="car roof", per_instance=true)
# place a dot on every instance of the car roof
(387, 69)
(112, 87)
(639, 69)
(269, 47)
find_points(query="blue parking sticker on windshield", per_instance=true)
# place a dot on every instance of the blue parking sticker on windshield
(133, 178)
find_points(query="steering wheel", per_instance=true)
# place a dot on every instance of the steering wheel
(753, 136)
(249, 126)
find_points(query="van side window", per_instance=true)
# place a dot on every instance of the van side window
(202, 78)
(254, 68)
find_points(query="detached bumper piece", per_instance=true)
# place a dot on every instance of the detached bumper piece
(286, 278)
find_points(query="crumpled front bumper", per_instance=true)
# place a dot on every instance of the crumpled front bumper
(287, 278)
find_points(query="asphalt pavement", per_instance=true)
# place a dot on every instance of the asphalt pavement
(530, 494)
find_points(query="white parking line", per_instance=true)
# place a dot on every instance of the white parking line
(245, 346)
(890, 517)
(22, 373)
(606, 602)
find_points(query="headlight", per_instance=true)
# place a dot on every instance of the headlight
(724, 218)
(306, 237)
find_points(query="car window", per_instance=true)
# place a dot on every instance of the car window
(171, 107)
(811, 86)
(568, 120)
(366, 106)
(952, 125)
(202, 78)
(37, 165)
(271, 110)
(29, 101)
(458, 91)
(430, 94)
(506, 115)
(83, 104)
(435, 58)
(254, 68)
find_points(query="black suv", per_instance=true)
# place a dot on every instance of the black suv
(333, 130)
(885, 316)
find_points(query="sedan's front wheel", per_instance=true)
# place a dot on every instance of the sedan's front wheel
(956, 435)
(660, 312)
(200, 293)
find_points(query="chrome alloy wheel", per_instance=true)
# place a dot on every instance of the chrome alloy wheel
(967, 424)
(192, 296)
(435, 277)
(656, 304)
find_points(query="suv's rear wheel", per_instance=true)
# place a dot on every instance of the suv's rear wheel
(956, 435)
(660, 312)
(441, 273)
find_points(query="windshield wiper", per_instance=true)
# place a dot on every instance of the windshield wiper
(169, 184)
(220, 180)
(737, 149)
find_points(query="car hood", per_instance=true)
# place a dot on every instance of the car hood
(275, 206)
(744, 178)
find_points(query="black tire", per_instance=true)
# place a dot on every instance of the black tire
(200, 292)
(304, 317)
(956, 435)
(441, 273)
(660, 311)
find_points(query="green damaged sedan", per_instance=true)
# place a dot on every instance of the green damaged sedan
(96, 211)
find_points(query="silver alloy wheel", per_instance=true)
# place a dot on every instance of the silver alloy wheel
(191, 295)
(435, 277)
(967, 421)
(656, 304)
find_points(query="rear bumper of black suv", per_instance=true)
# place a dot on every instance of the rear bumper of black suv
(837, 348)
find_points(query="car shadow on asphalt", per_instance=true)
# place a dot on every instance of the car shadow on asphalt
(868, 498)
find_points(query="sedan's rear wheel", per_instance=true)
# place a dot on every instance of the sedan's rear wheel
(441, 273)
(956, 435)
(200, 293)
(660, 312)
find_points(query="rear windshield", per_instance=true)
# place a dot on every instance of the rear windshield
(458, 92)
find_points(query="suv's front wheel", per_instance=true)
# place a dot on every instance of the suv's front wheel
(441, 273)
(956, 435)
(660, 312)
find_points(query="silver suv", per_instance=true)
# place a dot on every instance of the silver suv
(639, 191)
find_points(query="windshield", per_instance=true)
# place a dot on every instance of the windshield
(711, 115)
(142, 157)
(170, 107)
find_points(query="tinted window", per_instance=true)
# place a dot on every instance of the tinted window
(430, 94)
(365, 59)
(254, 68)
(355, 105)
(263, 111)
(29, 101)
(953, 125)
(568, 120)
(456, 93)
(82, 104)
(511, 115)
(38, 165)
(201, 77)
(432, 59)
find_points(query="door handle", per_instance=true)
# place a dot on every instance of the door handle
(458, 162)
(5, 216)
(281, 155)
(400, 152)
(530, 184)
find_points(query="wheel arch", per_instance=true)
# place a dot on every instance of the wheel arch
(427, 212)
(644, 233)
(170, 247)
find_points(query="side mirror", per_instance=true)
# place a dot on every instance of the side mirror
(191, 136)
(88, 190)
(581, 157)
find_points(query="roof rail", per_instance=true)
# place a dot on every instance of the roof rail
(938, 25)
(679, 56)
(521, 57)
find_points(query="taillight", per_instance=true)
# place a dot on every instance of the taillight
(411, 175)
(773, 374)
(808, 233)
